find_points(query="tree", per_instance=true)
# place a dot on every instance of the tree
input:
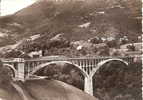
(5, 76)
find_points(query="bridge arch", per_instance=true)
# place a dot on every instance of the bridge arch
(100, 64)
(61, 62)
(14, 71)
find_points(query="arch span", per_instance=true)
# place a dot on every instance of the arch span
(59, 62)
(100, 64)
(14, 71)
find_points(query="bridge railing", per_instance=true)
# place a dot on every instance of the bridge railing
(86, 63)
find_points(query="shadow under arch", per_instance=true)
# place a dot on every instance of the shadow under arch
(14, 71)
(69, 73)
(56, 62)
(100, 64)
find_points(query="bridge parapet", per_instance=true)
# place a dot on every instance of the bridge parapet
(86, 63)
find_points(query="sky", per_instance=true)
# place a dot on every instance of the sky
(12, 6)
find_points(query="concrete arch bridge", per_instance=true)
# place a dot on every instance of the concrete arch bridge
(88, 66)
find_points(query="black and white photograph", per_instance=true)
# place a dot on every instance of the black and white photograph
(71, 50)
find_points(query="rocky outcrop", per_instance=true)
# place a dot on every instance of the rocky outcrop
(42, 89)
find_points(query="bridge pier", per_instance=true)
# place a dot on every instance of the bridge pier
(20, 69)
(88, 85)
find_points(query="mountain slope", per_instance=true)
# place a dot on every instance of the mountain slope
(105, 18)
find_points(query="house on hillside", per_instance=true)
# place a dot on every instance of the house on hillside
(35, 54)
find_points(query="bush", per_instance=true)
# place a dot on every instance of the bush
(131, 47)
(112, 44)
(12, 54)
